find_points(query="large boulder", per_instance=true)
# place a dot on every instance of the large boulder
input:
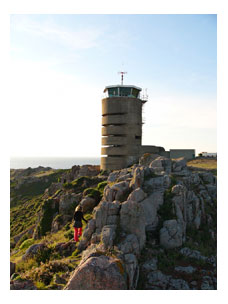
(195, 210)
(108, 235)
(88, 203)
(67, 200)
(138, 178)
(171, 235)
(132, 270)
(33, 250)
(158, 280)
(157, 183)
(130, 244)
(147, 158)
(179, 164)
(117, 191)
(98, 273)
(150, 206)
(120, 175)
(106, 213)
(161, 165)
(137, 195)
(207, 177)
(180, 204)
(22, 285)
(132, 220)
(59, 221)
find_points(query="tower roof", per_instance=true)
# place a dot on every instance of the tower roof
(121, 86)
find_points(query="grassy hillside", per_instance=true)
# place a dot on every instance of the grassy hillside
(204, 163)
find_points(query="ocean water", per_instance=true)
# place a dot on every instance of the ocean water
(53, 162)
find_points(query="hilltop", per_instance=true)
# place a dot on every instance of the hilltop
(150, 226)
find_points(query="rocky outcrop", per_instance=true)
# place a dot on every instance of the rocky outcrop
(171, 235)
(32, 250)
(22, 285)
(141, 230)
(87, 203)
(98, 273)
(132, 220)
(78, 171)
(164, 199)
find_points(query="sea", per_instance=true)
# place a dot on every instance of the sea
(53, 162)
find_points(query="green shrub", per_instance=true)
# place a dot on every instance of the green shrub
(47, 216)
(69, 234)
(43, 255)
(103, 172)
(173, 181)
(27, 243)
(22, 239)
(23, 266)
(92, 192)
(166, 211)
(101, 186)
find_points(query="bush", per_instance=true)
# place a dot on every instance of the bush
(166, 211)
(43, 255)
(23, 266)
(47, 217)
(92, 192)
(101, 186)
(22, 239)
(27, 243)
(69, 234)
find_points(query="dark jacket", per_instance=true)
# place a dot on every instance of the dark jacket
(78, 217)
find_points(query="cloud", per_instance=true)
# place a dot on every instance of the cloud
(82, 38)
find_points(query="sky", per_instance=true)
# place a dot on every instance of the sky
(60, 65)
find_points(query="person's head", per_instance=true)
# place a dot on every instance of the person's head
(78, 208)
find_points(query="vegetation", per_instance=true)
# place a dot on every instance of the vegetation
(49, 209)
(19, 194)
(204, 163)
(23, 216)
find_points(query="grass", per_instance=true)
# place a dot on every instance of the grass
(203, 163)
(28, 191)
(24, 215)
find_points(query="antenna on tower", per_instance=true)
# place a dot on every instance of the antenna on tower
(122, 74)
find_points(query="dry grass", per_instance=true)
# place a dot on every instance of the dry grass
(203, 163)
(44, 173)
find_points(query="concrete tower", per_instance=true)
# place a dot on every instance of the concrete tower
(121, 126)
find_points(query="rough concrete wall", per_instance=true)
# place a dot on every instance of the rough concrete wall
(121, 131)
(187, 153)
(151, 149)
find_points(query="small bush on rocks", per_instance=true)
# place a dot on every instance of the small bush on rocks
(26, 244)
(69, 234)
(92, 192)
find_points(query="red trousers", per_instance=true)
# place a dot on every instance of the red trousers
(77, 233)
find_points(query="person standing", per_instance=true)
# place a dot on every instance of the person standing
(78, 217)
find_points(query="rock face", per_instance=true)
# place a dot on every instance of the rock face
(132, 220)
(96, 273)
(87, 203)
(32, 250)
(150, 206)
(171, 235)
(140, 229)
(162, 199)
(22, 285)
